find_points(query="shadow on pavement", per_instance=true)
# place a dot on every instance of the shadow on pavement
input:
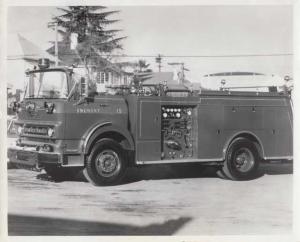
(19, 225)
(198, 171)
(180, 171)
(162, 172)
(76, 178)
(276, 168)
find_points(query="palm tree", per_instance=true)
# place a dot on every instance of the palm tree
(142, 65)
(142, 72)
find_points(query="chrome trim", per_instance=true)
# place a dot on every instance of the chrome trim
(107, 163)
(72, 165)
(42, 124)
(91, 133)
(31, 149)
(278, 157)
(74, 161)
(179, 102)
(177, 161)
(107, 98)
(244, 99)
(38, 123)
(220, 98)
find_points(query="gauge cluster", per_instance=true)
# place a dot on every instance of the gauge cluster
(177, 132)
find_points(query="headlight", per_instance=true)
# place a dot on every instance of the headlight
(16, 107)
(20, 130)
(50, 132)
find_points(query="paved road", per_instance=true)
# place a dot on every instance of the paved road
(154, 201)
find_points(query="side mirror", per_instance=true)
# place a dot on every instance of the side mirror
(83, 87)
(16, 107)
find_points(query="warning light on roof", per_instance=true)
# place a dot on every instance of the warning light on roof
(43, 63)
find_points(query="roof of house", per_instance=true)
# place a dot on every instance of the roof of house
(70, 57)
(158, 77)
(155, 78)
(9, 86)
(65, 54)
(31, 52)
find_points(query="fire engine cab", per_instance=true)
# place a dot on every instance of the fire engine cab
(63, 127)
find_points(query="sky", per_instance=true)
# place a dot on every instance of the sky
(183, 31)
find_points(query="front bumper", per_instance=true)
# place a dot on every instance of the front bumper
(30, 157)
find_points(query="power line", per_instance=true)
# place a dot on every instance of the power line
(17, 57)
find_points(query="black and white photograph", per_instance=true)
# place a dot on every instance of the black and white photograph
(149, 120)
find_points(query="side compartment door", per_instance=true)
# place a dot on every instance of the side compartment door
(148, 130)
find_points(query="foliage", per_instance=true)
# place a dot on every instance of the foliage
(90, 23)
(142, 65)
(142, 73)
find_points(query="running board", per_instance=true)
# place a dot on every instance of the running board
(178, 161)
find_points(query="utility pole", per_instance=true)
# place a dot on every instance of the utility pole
(158, 61)
(182, 72)
(56, 44)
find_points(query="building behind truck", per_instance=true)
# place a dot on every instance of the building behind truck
(63, 127)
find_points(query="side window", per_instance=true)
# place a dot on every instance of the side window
(76, 94)
(75, 87)
(102, 77)
(98, 77)
(106, 77)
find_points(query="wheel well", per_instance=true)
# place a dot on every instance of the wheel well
(253, 139)
(114, 136)
(121, 139)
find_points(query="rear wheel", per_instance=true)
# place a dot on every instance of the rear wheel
(242, 160)
(106, 164)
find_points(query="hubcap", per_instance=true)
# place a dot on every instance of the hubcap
(108, 163)
(244, 160)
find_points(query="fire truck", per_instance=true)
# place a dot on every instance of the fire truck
(62, 127)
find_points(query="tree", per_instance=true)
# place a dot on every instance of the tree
(95, 40)
(142, 65)
(142, 72)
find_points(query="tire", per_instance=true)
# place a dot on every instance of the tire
(61, 173)
(106, 164)
(242, 160)
(220, 173)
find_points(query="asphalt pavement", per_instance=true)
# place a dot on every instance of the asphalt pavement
(161, 200)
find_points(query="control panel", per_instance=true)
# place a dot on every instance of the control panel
(178, 132)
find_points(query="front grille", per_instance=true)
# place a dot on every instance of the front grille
(35, 130)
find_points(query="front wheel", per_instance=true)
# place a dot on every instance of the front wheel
(242, 160)
(106, 164)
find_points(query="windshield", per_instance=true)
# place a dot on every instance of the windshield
(49, 84)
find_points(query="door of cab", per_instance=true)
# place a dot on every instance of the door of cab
(148, 129)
